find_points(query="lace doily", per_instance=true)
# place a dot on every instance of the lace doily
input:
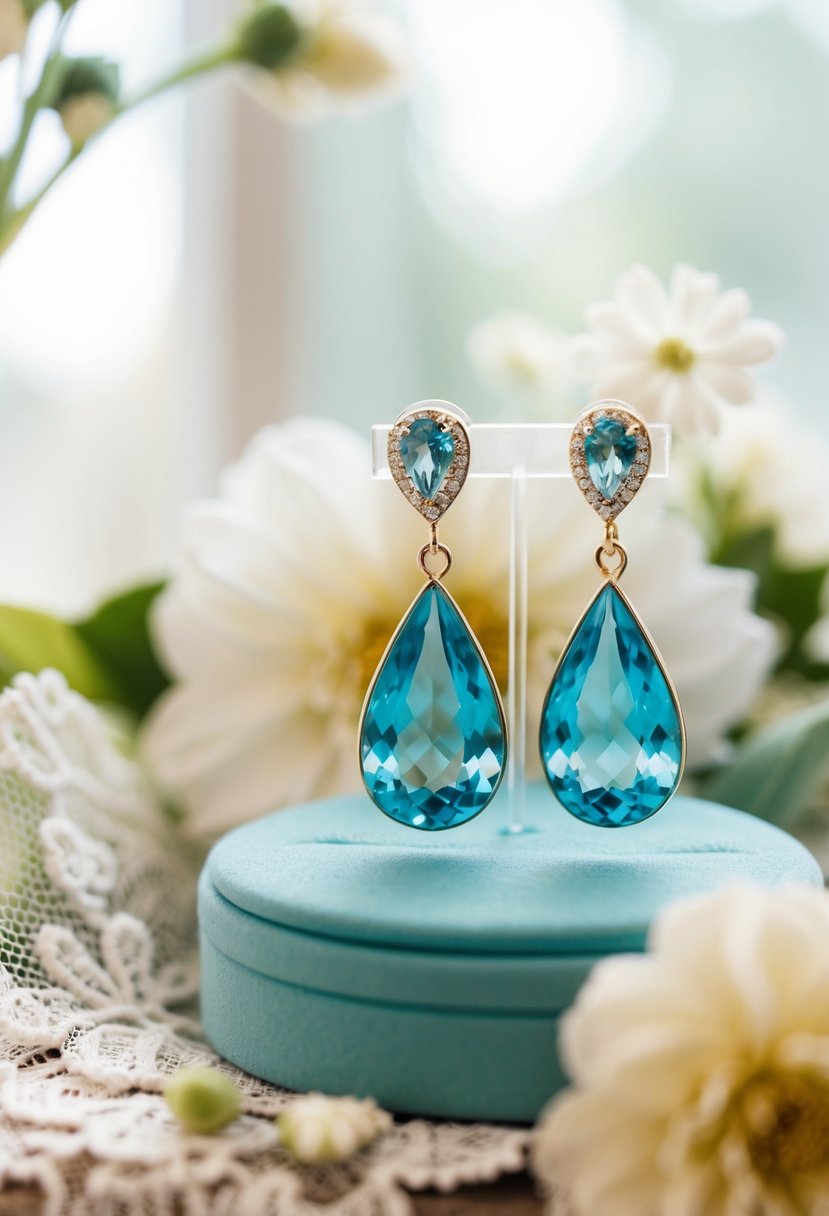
(98, 978)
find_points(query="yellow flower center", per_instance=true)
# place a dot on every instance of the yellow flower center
(787, 1118)
(521, 367)
(674, 355)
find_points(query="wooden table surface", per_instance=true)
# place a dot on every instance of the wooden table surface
(512, 1195)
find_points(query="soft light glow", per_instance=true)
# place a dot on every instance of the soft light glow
(84, 288)
(516, 100)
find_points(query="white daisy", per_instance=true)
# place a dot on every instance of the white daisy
(521, 359)
(292, 582)
(701, 1070)
(677, 356)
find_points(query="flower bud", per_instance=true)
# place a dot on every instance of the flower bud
(269, 36)
(14, 24)
(85, 97)
(316, 1129)
(203, 1100)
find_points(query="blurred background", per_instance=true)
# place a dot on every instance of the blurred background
(205, 269)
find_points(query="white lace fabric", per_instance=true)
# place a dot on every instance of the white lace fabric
(98, 979)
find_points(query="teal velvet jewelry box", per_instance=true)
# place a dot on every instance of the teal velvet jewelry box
(343, 953)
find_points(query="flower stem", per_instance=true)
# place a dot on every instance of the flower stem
(12, 221)
(33, 103)
(206, 61)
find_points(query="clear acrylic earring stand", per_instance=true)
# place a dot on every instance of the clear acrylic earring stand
(521, 452)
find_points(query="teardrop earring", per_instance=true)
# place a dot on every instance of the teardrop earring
(612, 734)
(433, 737)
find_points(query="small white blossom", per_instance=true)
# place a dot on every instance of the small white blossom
(701, 1070)
(770, 466)
(352, 57)
(14, 24)
(677, 356)
(316, 1129)
(519, 357)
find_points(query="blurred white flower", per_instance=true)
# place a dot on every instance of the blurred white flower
(84, 115)
(520, 358)
(676, 356)
(350, 57)
(292, 583)
(768, 466)
(701, 1070)
(14, 25)
(316, 1129)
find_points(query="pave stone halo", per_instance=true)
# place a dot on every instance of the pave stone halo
(428, 453)
(610, 455)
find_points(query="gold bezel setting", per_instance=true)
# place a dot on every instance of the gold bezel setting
(609, 508)
(432, 509)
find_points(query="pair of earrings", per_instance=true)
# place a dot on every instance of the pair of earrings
(433, 735)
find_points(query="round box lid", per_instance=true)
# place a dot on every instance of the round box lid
(341, 870)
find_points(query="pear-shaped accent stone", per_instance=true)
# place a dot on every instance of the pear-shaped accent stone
(610, 455)
(433, 739)
(427, 452)
(609, 452)
(611, 728)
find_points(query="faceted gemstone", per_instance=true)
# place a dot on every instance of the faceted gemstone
(433, 742)
(427, 452)
(610, 453)
(611, 739)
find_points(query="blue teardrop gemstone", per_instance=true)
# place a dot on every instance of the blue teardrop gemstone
(611, 735)
(609, 453)
(433, 741)
(427, 451)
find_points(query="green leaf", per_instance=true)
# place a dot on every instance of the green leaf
(30, 641)
(777, 770)
(118, 636)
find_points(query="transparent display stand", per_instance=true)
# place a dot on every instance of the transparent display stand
(518, 451)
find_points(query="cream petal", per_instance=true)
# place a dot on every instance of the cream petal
(754, 342)
(585, 356)
(726, 316)
(697, 1190)
(238, 613)
(641, 296)
(690, 408)
(612, 325)
(184, 639)
(732, 384)
(631, 382)
(702, 937)
(198, 727)
(655, 1065)
(693, 294)
(564, 1147)
(359, 57)
(277, 769)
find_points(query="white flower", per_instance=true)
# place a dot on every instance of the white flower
(316, 1129)
(14, 25)
(351, 57)
(84, 115)
(768, 468)
(519, 357)
(292, 583)
(677, 357)
(701, 1070)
